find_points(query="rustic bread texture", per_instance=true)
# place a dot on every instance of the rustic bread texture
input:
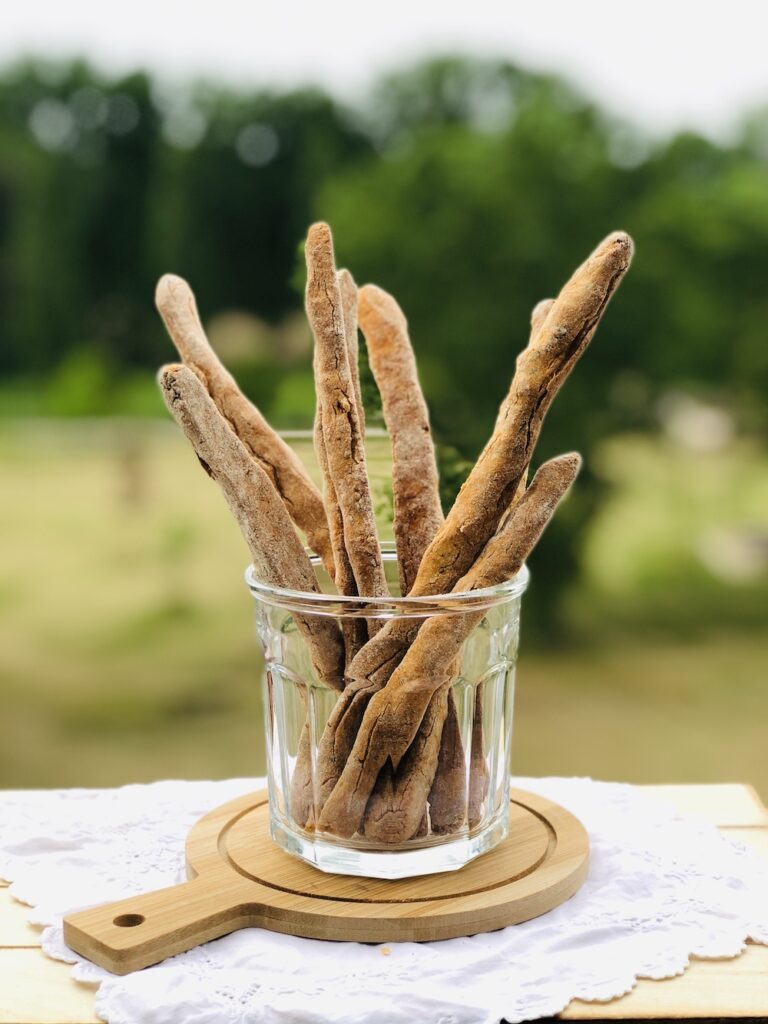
(176, 304)
(449, 799)
(448, 795)
(478, 768)
(393, 716)
(415, 486)
(340, 423)
(560, 331)
(402, 797)
(349, 300)
(278, 555)
(354, 631)
(279, 558)
(541, 370)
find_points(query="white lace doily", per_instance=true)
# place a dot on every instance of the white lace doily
(660, 889)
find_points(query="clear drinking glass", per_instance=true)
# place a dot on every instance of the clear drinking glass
(466, 810)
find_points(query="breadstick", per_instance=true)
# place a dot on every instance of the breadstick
(417, 511)
(393, 716)
(415, 486)
(354, 631)
(344, 577)
(539, 314)
(176, 304)
(541, 370)
(363, 680)
(385, 812)
(349, 299)
(341, 428)
(562, 332)
(478, 769)
(278, 555)
(449, 799)
(448, 795)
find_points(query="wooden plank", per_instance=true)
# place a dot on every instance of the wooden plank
(15, 930)
(709, 988)
(726, 805)
(37, 990)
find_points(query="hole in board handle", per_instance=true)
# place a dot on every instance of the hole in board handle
(128, 920)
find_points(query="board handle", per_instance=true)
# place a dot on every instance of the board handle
(142, 930)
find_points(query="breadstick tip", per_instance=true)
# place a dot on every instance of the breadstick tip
(321, 262)
(169, 376)
(170, 290)
(540, 310)
(619, 245)
(572, 461)
(566, 467)
(319, 234)
(374, 301)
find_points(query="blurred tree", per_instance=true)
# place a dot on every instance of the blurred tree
(493, 184)
(104, 185)
(470, 189)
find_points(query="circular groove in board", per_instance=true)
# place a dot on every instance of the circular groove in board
(247, 846)
(541, 863)
(239, 878)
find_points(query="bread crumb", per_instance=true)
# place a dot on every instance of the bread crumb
(385, 951)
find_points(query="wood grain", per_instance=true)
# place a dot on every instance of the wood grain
(241, 879)
(709, 989)
(37, 990)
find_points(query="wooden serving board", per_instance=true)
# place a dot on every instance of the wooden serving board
(239, 878)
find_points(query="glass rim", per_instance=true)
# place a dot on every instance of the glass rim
(320, 603)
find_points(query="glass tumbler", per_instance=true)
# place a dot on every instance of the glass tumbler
(445, 801)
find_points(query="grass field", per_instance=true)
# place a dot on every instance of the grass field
(127, 650)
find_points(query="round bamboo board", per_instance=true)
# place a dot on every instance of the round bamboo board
(241, 879)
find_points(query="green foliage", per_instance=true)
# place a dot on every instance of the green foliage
(470, 189)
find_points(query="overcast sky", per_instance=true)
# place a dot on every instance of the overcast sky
(665, 63)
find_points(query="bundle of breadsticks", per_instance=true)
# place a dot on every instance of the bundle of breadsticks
(390, 764)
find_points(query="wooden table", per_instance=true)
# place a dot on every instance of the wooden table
(36, 990)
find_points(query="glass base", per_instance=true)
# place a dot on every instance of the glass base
(435, 855)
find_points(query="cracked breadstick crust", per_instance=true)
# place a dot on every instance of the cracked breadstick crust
(539, 314)
(542, 368)
(176, 304)
(279, 558)
(415, 485)
(341, 428)
(395, 812)
(366, 674)
(354, 631)
(349, 299)
(563, 327)
(448, 795)
(478, 769)
(449, 802)
(394, 714)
